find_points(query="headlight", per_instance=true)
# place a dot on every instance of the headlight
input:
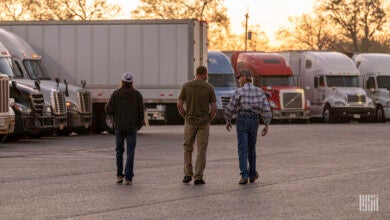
(71, 107)
(339, 103)
(273, 104)
(47, 109)
(23, 109)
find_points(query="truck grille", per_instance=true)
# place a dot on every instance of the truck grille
(37, 103)
(356, 98)
(58, 102)
(225, 101)
(4, 94)
(85, 102)
(292, 100)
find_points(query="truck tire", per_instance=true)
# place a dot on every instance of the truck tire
(380, 114)
(328, 116)
(3, 137)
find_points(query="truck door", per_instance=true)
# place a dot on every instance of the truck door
(319, 90)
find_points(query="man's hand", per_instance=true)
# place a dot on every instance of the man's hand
(264, 131)
(228, 126)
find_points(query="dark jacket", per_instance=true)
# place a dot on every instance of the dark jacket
(127, 108)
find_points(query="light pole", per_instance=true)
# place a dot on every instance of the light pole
(246, 29)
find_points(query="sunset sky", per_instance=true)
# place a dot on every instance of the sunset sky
(268, 14)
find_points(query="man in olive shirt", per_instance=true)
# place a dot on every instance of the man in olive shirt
(200, 109)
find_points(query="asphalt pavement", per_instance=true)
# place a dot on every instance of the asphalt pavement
(307, 171)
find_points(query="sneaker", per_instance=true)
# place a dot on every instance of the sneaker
(252, 180)
(187, 179)
(119, 179)
(128, 182)
(243, 181)
(199, 182)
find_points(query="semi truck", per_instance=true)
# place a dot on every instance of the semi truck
(375, 79)
(7, 116)
(162, 55)
(32, 116)
(331, 83)
(271, 73)
(71, 105)
(221, 76)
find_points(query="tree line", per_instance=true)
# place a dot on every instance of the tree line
(350, 26)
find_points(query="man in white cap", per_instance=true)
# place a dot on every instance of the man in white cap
(127, 109)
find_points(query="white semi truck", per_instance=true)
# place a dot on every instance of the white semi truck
(7, 116)
(71, 105)
(375, 79)
(331, 83)
(162, 55)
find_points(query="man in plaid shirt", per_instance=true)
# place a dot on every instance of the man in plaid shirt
(248, 102)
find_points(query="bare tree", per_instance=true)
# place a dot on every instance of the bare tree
(357, 18)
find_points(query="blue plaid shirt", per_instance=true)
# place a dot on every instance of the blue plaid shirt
(249, 98)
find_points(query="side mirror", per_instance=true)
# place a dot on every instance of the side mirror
(14, 84)
(37, 84)
(372, 90)
(83, 83)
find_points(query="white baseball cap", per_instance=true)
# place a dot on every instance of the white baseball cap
(127, 77)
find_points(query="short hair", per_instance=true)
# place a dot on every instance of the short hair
(201, 70)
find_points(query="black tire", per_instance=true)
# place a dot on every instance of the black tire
(328, 116)
(380, 114)
(3, 138)
(64, 132)
(83, 131)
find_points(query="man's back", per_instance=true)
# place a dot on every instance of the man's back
(197, 95)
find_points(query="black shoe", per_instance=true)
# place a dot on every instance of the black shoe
(199, 182)
(187, 179)
(252, 180)
(243, 181)
(119, 179)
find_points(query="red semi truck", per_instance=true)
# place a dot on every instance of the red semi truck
(272, 74)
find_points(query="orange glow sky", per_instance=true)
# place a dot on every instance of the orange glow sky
(269, 14)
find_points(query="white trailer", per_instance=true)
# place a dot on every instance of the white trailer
(162, 55)
(331, 83)
(375, 71)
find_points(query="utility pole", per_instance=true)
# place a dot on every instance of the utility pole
(246, 29)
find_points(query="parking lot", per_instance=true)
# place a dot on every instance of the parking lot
(307, 171)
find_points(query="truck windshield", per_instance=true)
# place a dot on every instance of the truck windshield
(8, 68)
(342, 81)
(222, 80)
(35, 69)
(383, 82)
(274, 81)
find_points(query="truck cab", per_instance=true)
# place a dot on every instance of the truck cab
(374, 69)
(331, 81)
(272, 74)
(32, 116)
(221, 76)
(72, 106)
(7, 116)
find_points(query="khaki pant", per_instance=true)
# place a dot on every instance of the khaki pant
(201, 134)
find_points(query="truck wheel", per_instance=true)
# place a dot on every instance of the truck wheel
(328, 117)
(380, 114)
(64, 132)
(3, 137)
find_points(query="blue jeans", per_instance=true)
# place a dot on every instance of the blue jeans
(131, 140)
(246, 127)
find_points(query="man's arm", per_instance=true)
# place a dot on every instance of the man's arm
(180, 108)
(213, 110)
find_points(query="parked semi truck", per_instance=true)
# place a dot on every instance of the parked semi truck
(7, 116)
(221, 76)
(71, 105)
(162, 55)
(32, 116)
(271, 73)
(375, 71)
(331, 83)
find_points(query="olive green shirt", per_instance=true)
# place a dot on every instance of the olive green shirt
(197, 96)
